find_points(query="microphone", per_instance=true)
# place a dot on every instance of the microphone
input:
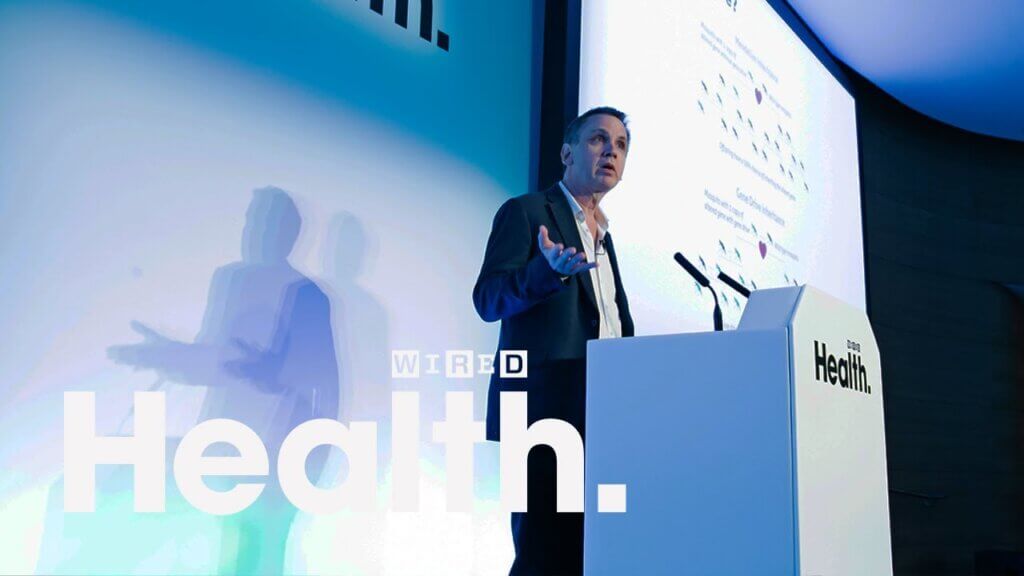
(743, 291)
(703, 281)
(692, 270)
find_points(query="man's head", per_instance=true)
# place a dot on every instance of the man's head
(272, 226)
(594, 150)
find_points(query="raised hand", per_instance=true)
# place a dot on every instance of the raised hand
(259, 367)
(152, 353)
(566, 262)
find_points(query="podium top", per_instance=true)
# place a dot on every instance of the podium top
(771, 308)
(776, 308)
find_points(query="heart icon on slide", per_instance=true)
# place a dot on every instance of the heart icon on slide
(762, 248)
(757, 95)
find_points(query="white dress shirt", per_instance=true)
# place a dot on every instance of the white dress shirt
(602, 277)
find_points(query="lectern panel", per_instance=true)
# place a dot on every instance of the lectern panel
(697, 428)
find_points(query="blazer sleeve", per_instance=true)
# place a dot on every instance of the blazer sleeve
(514, 276)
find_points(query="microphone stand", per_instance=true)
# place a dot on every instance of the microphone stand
(716, 315)
(704, 282)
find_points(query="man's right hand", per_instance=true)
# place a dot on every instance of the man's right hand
(566, 262)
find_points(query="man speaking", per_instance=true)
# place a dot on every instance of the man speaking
(550, 275)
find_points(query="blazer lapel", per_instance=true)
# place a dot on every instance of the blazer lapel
(565, 222)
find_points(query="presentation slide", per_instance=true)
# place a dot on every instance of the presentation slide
(743, 156)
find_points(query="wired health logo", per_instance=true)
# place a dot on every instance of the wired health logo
(458, 364)
(459, 432)
(848, 372)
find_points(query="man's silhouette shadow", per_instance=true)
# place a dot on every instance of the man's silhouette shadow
(361, 323)
(266, 353)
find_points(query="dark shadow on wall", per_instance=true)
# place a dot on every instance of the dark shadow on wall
(266, 354)
(944, 227)
(362, 326)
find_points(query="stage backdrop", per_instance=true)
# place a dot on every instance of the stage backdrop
(197, 175)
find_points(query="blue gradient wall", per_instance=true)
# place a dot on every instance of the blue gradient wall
(132, 138)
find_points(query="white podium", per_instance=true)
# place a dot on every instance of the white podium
(754, 451)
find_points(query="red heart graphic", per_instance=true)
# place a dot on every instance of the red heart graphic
(763, 248)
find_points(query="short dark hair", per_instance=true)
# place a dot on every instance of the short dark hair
(572, 131)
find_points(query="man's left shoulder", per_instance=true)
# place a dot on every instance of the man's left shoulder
(538, 199)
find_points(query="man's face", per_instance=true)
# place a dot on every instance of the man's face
(597, 160)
